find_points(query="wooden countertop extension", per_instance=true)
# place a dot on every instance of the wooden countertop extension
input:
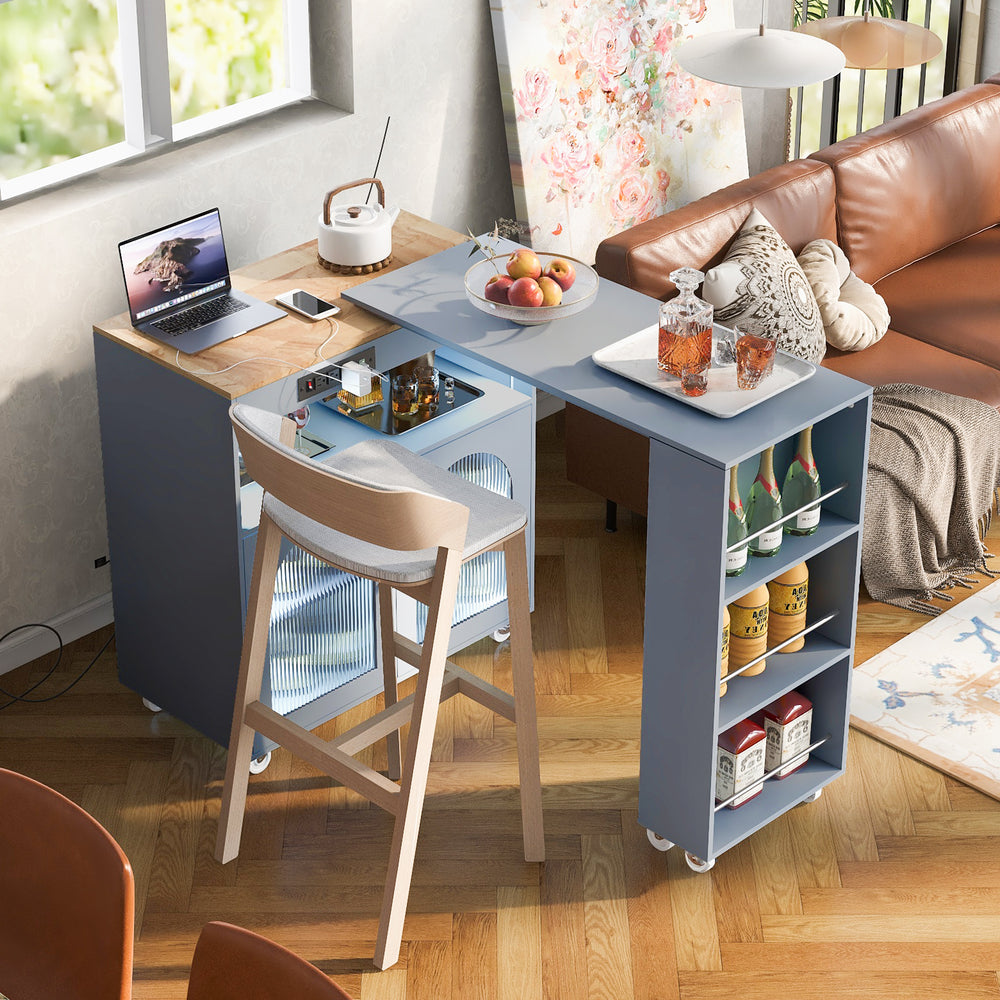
(292, 342)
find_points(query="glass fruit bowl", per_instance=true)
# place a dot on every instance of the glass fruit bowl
(576, 298)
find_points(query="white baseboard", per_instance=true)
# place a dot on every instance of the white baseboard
(29, 644)
(546, 404)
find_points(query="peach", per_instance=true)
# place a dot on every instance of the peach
(524, 264)
(561, 271)
(525, 292)
(552, 292)
(497, 288)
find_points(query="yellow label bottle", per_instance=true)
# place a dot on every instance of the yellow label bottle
(748, 630)
(788, 595)
(724, 657)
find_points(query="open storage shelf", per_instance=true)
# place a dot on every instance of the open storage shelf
(784, 673)
(794, 549)
(683, 713)
(777, 797)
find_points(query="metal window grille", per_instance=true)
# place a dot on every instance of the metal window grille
(856, 100)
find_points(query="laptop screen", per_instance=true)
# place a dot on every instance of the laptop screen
(173, 266)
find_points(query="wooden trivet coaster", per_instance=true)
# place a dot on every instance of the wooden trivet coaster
(354, 268)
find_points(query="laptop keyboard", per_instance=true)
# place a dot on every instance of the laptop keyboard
(198, 316)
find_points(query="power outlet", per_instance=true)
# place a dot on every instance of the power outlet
(313, 383)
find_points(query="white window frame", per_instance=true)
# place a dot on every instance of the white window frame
(142, 32)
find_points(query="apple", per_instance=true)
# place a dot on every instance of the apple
(524, 264)
(561, 271)
(497, 287)
(525, 292)
(551, 291)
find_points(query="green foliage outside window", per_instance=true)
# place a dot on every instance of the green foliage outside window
(60, 93)
(222, 52)
(815, 9)
(60, 70)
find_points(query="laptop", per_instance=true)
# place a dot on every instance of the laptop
(179, 290)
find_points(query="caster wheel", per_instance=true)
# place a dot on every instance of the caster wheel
(259, 764)
(660, 843)
(501, 634)
(696, 864)
(151, 706)
(814, 796)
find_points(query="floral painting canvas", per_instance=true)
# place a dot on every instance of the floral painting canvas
(604, 129)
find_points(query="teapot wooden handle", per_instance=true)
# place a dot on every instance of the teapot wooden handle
(346, 187)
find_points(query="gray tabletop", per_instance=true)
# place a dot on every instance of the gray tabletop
(429, 297)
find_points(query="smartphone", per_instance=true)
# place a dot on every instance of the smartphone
(306, 304)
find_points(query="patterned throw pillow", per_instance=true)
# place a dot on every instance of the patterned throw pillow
(760, 285)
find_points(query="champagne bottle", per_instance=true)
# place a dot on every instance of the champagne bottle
(736, 560)
(801, 486)
(764, 508)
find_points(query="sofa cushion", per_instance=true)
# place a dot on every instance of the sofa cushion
(918, 183)
(950, 298)
(797, 197)
(854, 314)
(760, 286)
(898, 358)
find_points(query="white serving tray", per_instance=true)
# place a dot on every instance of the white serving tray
(635, 359)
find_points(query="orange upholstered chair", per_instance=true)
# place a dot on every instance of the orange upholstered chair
(231, 963)
(66, 899)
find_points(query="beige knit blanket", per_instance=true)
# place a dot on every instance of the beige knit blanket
(933, 469)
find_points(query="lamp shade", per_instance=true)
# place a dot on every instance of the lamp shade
(876, 42)
(755, 57)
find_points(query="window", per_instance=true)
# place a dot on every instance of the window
(856, 100)
(84, 83)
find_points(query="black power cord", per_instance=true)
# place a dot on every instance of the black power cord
(37, 701)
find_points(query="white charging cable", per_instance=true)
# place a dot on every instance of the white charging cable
(334, 326)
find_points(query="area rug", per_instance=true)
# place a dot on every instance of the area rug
(935, 694)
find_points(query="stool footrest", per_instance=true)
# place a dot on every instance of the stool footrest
(364, 734)
(363, 779)
(489, 695)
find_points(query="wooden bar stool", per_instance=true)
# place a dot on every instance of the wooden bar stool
(384, 513)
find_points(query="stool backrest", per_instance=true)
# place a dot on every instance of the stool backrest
(404, 520)
(67, 899)
(231, 963)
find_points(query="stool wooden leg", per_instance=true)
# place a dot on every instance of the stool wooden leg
(387, 654)
(419, 743)
(234, 791)
(525, 721)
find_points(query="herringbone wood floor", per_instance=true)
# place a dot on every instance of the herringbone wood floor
(887, 887)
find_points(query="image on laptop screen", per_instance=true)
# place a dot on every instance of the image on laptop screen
(174, 265)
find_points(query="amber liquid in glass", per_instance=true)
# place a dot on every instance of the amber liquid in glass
(754, 357)
(688, 350)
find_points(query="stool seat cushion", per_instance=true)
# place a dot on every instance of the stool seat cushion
(389, 466)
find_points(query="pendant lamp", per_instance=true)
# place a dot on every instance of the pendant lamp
(760, 57)
(876, 42)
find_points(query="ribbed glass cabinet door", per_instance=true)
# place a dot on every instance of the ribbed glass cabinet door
(322, 631)
(483, 581)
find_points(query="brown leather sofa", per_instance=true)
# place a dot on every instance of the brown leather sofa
(915, 205)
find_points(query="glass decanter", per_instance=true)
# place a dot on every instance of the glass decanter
(685, 340)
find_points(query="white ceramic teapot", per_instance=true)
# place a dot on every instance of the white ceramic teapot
(356, 235)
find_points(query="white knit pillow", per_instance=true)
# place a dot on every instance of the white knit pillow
(854, 315)
(759, 285)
